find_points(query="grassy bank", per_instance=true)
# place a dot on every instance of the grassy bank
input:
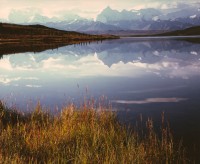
(13, 33)
(36, 38)
(81, 135)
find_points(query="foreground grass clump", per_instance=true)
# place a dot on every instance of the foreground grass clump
(80, 136)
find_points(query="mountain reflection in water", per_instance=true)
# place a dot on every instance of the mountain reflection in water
(145, 64)
(145, 76)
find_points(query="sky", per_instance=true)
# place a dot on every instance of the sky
(84, 8)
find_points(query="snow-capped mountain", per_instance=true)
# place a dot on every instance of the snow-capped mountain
(152, 19)
(98, 26)
(72, 25)
(33, 17)
(188, 12)
(144, 19)
(83, 25)
(180, 17)
(111, 53)
(108, 15)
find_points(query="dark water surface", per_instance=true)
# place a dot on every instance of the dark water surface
(138, 76)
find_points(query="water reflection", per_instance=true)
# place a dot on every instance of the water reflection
(128, 66)
(150, 100)
(137, 76)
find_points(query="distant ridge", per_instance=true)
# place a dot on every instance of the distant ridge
(110, 20)
(13, 33)
(186, 32)
(12, 30)
(7, 28)
(35, 38)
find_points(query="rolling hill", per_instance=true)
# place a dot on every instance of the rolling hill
(35, 38)
(186, 32)
(13, 32)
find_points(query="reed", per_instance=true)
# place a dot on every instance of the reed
(84, 135)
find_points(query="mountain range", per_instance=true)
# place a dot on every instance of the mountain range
(111, 53)
(110, 20)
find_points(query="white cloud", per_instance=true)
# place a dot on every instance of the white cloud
(33, 86)
(5, 64)
(156, 53)
(193, 53)
(31, 78)
(7, 80)
(23, 15)
(86, 8)
(193, 16)
(156, 89)
(90, 65)
(150, 100)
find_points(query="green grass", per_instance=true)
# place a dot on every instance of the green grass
(83, 135)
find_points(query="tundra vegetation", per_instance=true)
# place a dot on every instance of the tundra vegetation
(36, 38)
(82, 135)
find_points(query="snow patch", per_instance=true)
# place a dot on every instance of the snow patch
(156, 53)
(155, 18)
(31, 19)
(72, 21)
(134, 11)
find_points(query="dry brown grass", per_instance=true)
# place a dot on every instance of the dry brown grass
(81, 135)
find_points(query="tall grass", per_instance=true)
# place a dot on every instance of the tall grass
(81, 136)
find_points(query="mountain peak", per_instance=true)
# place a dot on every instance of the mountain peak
(108, 8)
(124, 11)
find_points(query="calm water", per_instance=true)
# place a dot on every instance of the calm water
(132, 73)
(145, 76)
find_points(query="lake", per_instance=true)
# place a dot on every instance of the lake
(136, 75)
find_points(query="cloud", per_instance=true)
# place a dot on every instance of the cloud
(150, 100)
(172, 68)
(77, 66)
(193, 53)
(33, 86)
(5, 64)
(86, 8)
(31, 78)
(23, 15)
(157, 89)
(6, 80)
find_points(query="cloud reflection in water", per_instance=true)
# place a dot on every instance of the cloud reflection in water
(150, 100)
(122, 68)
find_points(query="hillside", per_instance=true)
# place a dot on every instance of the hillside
(35, 38)
(42, 33)
(186, 32)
